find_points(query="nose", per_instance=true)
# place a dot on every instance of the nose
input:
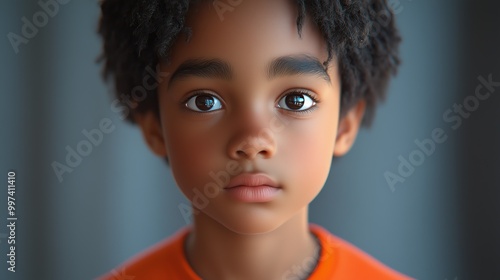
(253, 143)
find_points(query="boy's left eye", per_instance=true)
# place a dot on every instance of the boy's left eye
(296, 101)
(204, 103)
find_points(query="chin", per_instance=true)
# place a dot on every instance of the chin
(250, 229)
(250, 223)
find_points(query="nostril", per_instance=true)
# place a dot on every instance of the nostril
(240, 153)
(264, 152)
(252, 149)
(251, 155)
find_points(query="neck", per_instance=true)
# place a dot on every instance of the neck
(216, 252)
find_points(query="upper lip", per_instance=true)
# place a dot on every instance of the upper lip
(252, 180)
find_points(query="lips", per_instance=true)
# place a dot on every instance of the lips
(253, 188)
(251, 180)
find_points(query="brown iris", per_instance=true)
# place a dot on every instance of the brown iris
(295, 101)
(204, 102)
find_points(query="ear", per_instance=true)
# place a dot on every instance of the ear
(152, 132)
(348, 129)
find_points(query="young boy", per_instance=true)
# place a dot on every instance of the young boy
(253, 99)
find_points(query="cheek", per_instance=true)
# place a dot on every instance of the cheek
(308, 148)
(193, 153)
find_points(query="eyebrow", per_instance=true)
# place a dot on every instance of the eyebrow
(279, 67)
(204, 68)
(297, 65)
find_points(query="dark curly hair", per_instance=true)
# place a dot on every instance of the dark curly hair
(360, 34)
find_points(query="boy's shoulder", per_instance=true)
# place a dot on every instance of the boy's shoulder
(164, 260)
(338, 260)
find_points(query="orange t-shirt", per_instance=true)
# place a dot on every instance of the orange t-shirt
(338, 260)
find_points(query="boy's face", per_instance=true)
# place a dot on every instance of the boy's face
(238, 112)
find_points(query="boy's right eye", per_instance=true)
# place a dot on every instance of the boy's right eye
(204, 103)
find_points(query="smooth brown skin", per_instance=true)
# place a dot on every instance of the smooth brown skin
(231, 239)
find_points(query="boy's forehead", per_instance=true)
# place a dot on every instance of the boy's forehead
(248, 35)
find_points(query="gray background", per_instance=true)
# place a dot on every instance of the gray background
(443, 222)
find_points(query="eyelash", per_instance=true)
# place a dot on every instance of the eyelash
(200, 92)
(304, 92)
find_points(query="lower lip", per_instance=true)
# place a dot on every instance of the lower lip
(253, 194)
